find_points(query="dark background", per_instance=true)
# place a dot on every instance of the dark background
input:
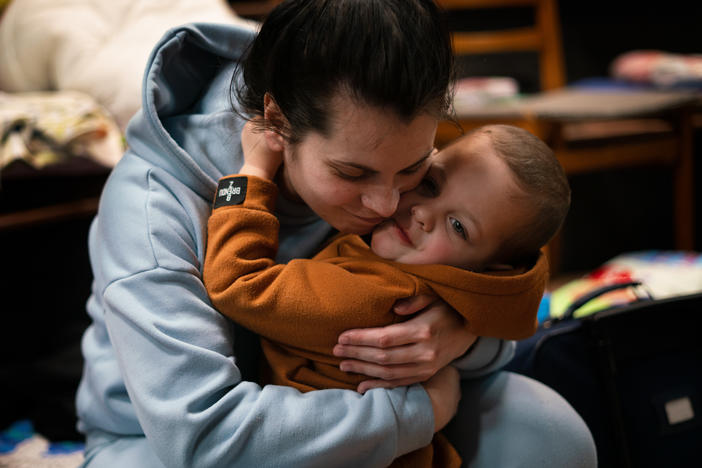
(624, 210)
(620, 210)
(45, 277)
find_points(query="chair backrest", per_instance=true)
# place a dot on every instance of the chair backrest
(543, 36)
(253, 9)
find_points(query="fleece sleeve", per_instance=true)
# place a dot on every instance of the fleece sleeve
(305, 303)
(174, 355)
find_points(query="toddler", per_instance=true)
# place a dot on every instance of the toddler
(488, 204)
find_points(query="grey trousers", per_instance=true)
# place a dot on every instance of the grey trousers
(507, 420)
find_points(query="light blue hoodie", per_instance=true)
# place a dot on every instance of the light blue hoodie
(159, 360)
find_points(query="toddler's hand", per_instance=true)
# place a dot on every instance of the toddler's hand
(259, 159)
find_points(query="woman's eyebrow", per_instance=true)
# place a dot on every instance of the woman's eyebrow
(362, 167)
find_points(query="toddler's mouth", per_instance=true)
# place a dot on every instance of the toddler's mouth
(402, 234)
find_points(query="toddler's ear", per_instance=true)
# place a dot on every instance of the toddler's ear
(273, 114)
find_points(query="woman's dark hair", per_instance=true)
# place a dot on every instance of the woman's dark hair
(391, 54)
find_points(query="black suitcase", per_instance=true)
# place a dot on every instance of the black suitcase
(634, 373)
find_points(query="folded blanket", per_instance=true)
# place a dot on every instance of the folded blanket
(47, 127)
(659, 68)
(95, 46)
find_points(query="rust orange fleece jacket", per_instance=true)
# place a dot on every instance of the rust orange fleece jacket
(301, 307)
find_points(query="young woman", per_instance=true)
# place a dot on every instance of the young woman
(351, 92)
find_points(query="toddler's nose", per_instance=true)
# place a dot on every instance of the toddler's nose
(422, 215)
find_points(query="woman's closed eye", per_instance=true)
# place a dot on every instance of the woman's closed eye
(413, 169)
(357, 175)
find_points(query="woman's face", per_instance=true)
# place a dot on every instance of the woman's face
(353, 177)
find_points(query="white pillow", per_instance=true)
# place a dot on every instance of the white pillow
(99, 47)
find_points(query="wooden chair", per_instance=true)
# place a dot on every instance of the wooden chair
(65, 191)
(253, 9)
(588, 130)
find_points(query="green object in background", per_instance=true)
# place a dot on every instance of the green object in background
(627, 278)
(564, 296)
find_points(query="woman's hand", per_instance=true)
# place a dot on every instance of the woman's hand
(444, 391)
(259, 159)
(408, 352)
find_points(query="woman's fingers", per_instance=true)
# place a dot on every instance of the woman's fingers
(411, 351)
(397, 334)
(409, 373)
(414, 354)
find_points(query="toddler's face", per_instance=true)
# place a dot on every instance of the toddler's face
(466, 205)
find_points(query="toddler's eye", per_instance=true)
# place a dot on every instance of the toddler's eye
(458, 227)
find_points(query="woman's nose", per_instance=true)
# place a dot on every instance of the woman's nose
(381, 200)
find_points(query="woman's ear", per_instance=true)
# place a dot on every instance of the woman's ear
(272, 114)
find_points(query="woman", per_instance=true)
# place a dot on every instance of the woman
(352, 91)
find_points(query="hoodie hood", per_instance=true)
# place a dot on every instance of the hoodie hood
(496, 304)
(187, 125)
(500, 304)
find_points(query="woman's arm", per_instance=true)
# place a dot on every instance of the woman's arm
(163, 363)
(196, 410)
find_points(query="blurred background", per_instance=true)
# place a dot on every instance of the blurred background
(49, 188)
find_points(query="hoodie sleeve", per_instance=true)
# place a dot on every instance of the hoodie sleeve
(164, 364)
(487, 355)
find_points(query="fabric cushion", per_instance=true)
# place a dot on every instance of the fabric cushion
(93, 46)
